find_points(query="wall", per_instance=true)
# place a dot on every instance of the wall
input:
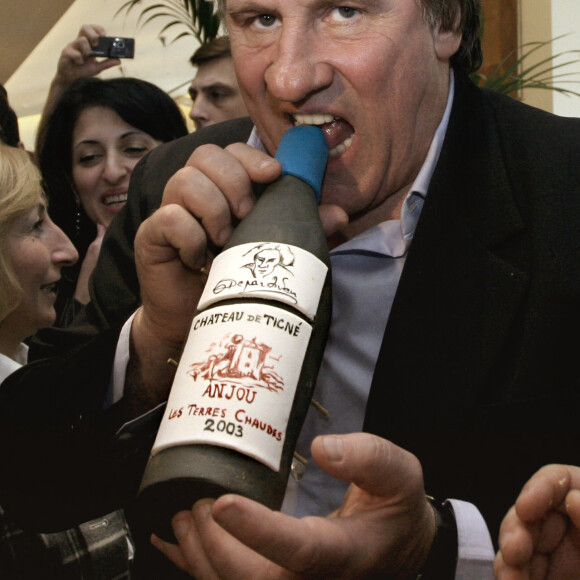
(542, 20)
(566, 21)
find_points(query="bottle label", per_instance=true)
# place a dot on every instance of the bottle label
(268, 270)
(236, 381)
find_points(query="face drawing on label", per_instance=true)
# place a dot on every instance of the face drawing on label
(239, 361)
(270, 259)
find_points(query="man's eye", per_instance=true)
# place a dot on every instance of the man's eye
(37, 227)
(346, 12)
(266, 20)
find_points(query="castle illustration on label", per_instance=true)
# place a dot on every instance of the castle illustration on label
(238, 360)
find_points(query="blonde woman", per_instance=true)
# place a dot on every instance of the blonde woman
(33, 250)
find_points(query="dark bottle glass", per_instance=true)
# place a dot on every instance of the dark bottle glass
(246, 376)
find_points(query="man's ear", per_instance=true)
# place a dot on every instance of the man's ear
(447, 42)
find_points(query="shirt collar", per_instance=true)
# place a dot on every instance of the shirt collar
(421, 183)
(255, 141)
(9, 365)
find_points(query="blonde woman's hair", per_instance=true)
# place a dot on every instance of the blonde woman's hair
(20, 191)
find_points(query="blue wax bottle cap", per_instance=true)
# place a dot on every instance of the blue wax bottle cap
(303, 152)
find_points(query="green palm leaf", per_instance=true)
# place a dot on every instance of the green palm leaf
(513, 74)
(199, 17)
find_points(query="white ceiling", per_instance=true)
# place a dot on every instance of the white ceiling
(166, 66)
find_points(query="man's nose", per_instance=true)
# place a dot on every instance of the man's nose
(199, 113)
(298, 67)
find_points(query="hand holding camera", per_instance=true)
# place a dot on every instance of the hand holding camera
(77, 59)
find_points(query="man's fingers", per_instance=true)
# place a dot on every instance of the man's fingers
(170, 250)
(224, 552)
(545, 491)
(552, 532)
(573, 507)
(515, 540)
(245, 166)
(503, 571)
(373, 464)
(389, 494)
(172, 552)
(522, 542)
(303, 546)
(169, 231)
(214, 196)
(260, 167)
(188, 554)
(238, 538)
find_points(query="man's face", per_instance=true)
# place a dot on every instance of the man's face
(371, 73)
(215, 93)
(266, 261)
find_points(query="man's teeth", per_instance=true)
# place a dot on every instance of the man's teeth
(321, 119)
(114, 199)
(48, 288)
(316, 119)
(336, 151)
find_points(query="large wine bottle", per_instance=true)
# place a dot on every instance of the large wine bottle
(247, 372)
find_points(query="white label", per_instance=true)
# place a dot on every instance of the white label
(267, 270)
(236, 381)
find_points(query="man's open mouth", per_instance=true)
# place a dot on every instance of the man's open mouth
(339, 134)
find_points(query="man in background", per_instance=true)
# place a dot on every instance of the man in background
(214, 90)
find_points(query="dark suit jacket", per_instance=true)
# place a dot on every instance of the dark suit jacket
(477, 373)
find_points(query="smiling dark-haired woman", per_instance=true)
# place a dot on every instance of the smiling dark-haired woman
(92, 140)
